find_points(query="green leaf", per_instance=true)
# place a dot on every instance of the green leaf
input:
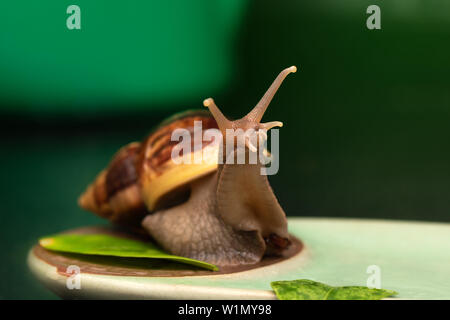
(107, 245)
(311, 290)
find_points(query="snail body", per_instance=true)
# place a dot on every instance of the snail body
(219, 212)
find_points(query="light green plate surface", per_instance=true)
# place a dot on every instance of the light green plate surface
(413, 259)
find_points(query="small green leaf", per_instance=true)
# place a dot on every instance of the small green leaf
(311, 290)
(107, 245)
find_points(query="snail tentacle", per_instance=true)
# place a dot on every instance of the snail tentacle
(258, 111)
(221, 120)
(269, 125)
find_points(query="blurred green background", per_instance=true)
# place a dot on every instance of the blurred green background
(366, 116)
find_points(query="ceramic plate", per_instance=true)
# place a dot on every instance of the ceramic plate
(411, 258)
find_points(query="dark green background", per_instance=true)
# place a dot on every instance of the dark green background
(366, 122)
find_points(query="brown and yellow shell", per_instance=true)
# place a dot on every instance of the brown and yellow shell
(142, 177)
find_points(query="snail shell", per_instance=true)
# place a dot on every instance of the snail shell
(141, 176)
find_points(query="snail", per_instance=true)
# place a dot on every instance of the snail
(221, 213)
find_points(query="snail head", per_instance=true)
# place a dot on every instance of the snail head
(250, 126)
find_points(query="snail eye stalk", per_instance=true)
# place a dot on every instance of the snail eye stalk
(258, 111)
(221, 120)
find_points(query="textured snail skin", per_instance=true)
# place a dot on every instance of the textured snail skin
(231, 217)
(225, 221)
(195, 229)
